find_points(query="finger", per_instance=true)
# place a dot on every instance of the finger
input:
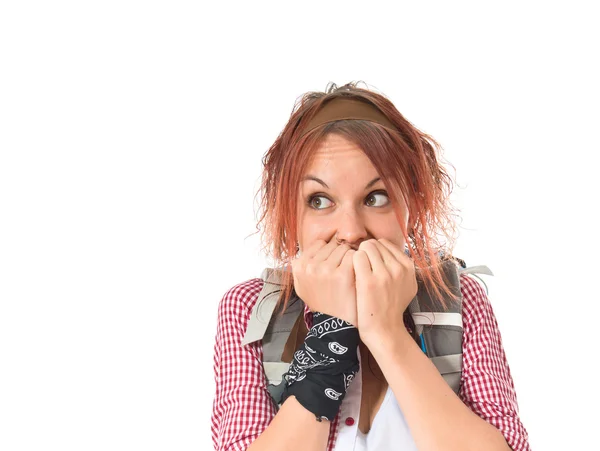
(362, 266)
(395, 250)
(338, 254)
(388, 257)
(315, 248)
(311, 250)
(393, 266)
(370, 248)
(324, 252)
(347, 262)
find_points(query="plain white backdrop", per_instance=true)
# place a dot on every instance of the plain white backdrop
(131, 138)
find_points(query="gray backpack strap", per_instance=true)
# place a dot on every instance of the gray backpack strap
(442, 330)
(267, 325)
(263, 309)
(414, 307)
(274, 340)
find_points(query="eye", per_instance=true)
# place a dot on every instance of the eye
(373, 197)
(316, 202)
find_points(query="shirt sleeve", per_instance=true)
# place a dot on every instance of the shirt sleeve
(487, 386)
(242, 406)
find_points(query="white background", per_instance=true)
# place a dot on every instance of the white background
(131, 138)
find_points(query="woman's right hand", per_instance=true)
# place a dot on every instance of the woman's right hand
(324, 279)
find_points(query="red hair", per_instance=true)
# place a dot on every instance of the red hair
(407, 161)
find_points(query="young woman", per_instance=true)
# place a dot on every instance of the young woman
(354, 204)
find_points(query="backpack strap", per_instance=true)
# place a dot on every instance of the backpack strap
(440, 329)
(274, 330)
(263, 309)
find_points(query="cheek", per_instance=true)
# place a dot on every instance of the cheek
(390, 230)
(312, 230)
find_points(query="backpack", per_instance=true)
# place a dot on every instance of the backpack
(440, 330)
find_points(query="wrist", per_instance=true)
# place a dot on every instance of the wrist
(384, 343)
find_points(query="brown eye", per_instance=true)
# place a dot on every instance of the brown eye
(317, 202)
(374, 198)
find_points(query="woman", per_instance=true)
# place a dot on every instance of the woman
(353, 202)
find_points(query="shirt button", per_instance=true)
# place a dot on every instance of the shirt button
(349, 421)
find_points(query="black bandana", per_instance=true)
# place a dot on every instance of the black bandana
(323, 366)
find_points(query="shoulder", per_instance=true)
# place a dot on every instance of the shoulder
(475, 301)
(481, 331)
(479, 319)
(234, 311)
(239, 300)
(472, 289)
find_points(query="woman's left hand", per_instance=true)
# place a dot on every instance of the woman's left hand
(385, 285)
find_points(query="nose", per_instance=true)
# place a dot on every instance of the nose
(351, 229)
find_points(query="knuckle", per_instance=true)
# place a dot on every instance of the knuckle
(396, 271)
(327, 271)
(384, 278)
(338, 276)
(309, 269)
(371, 283)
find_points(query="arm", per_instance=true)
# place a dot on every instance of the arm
(244, 416)
(439, 420)
(487, 387)
(293, 428)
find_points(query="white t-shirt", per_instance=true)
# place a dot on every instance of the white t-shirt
(389, 430)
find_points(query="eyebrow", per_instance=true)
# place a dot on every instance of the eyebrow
(318, 180)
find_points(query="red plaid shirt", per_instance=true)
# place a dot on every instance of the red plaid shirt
(242, 407)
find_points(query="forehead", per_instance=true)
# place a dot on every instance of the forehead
(337, 156)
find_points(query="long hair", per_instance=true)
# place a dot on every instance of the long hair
(407, 161)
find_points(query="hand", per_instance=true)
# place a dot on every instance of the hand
(324, 279)
(385, 284)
